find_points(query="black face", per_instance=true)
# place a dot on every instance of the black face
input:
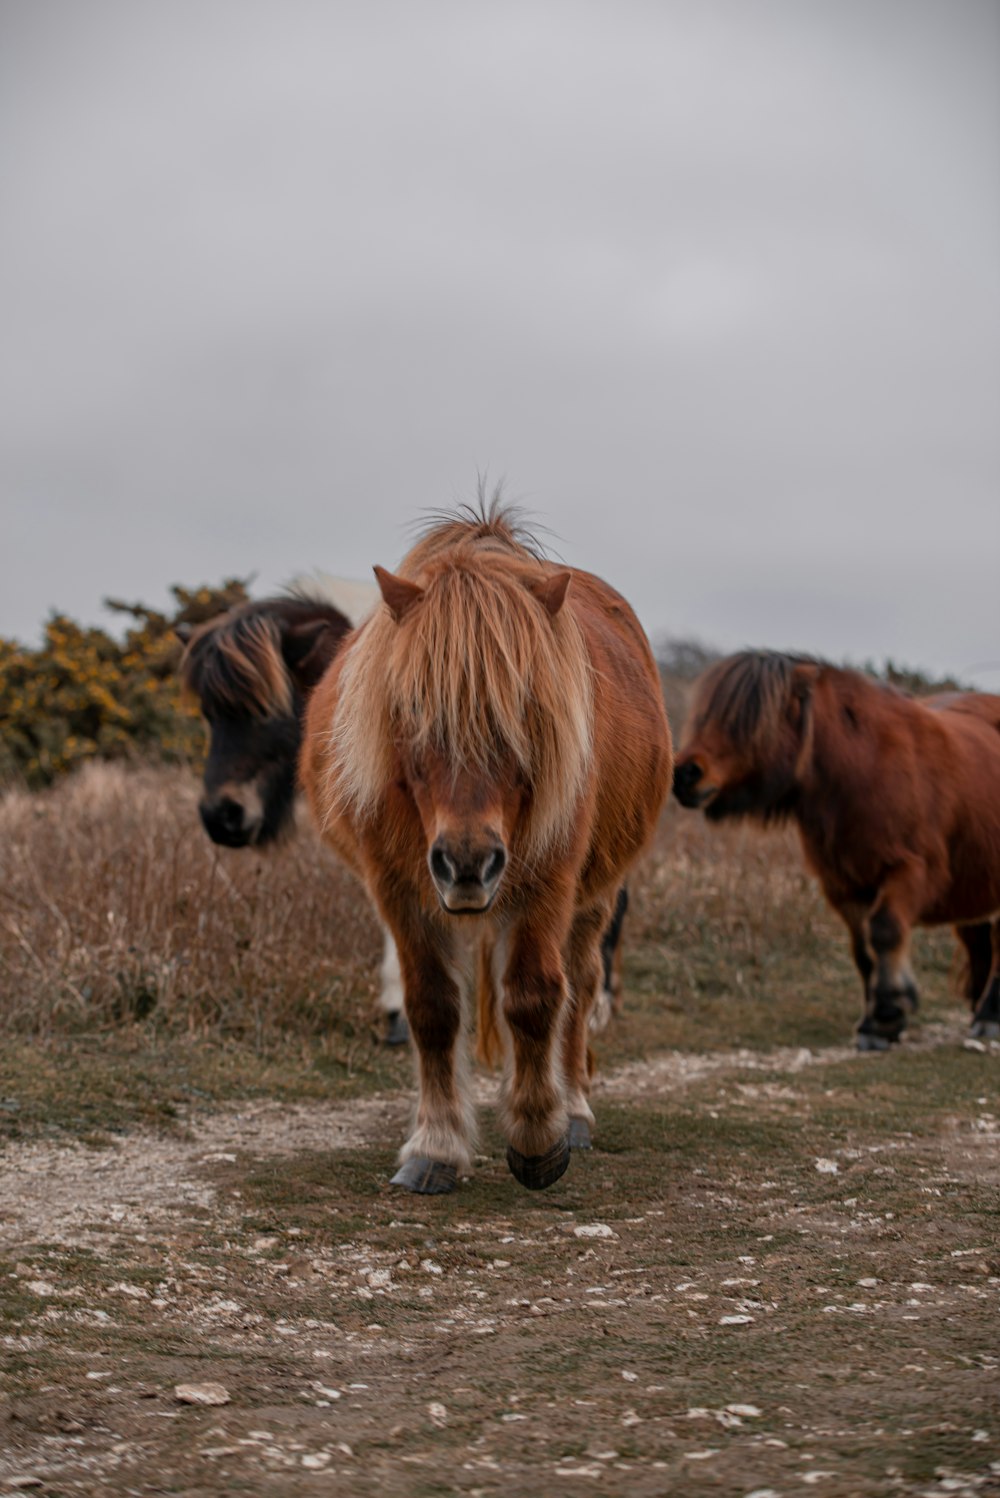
(249, 793)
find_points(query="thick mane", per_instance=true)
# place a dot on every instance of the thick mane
(236, 662)
(746, 695)
(477, 668)
(235, 666)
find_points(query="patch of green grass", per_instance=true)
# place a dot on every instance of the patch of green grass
(93, 1087)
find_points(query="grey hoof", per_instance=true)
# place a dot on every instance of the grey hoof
(397, 1031)
(579, 1134)
(985, 1029)
(538, 1171)
(867, 1042)
(429, 1177)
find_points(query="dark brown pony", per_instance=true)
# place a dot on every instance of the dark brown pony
(490, 752)
(897, 802)
(252, 669)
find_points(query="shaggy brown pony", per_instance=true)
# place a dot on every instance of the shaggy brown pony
(897, 802)
(490, 752)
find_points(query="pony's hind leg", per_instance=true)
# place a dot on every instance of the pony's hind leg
(532, 1102)
(390, 998)
(892, 989)
(609, 994)
(584, 970)
(440, 1147)
(986, 1013)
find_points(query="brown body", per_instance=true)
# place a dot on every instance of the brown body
(490, 753)
(897, 802)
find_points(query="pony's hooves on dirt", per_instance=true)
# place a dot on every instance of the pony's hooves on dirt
(429, 1177)
(538, 1171)
(866, 1042)
(579, 1134)
(985, 1029)
(397, 1031)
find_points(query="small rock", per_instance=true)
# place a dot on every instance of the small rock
(827, 1167)
(438, 1414)
(593, 1230)
(735, 1320)
(202, 1393)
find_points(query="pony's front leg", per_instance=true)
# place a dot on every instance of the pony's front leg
(532, 1101)
(440, 1147)
(892, 988)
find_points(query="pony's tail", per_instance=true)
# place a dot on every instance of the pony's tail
(489, 1044)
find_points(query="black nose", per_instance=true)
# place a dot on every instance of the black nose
(223, 820)
(686, 776)
(451, 864)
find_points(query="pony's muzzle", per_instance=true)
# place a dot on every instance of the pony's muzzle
(687, 774)
(229, 822)
(466, 876)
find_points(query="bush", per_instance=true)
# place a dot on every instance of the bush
(85, 695)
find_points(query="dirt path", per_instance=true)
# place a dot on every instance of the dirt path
(72, 1194)
(778, 1274)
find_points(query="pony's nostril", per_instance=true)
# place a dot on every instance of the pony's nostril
(230, 814)
(687, 775)
(494, 866)
(441, 865)
(225, 821)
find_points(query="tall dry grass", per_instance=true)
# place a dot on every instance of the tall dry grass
(115, 906)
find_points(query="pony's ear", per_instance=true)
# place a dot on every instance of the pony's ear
(399, 595)
(183, 631)
(551, 591)
(308, 649)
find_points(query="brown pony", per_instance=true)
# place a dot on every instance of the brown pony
(897, 803)
(490, 752)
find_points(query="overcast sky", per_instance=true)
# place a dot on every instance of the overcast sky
(715, 284)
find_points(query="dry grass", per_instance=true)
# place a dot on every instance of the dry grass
(115, 907)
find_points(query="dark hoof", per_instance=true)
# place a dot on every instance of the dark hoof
(538, 1171)
(985, 1029)
(866, 1042)
(397, 1031)
(579, 1134)
(429, 1177)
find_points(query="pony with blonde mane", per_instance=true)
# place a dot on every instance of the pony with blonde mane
(490, 752)
(896, 800)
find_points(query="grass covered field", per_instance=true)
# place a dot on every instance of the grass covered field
(777, 1272)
